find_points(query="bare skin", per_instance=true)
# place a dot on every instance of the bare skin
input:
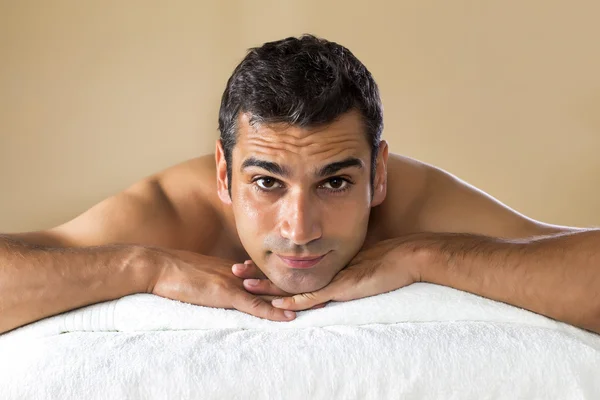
(176, 233)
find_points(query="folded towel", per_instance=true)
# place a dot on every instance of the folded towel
(422, 341)
(419, 302)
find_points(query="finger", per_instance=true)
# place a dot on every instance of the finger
(263, 286)
(256, 306)
(303, 301)
(318, 306)
(267, 298)
(247, 271)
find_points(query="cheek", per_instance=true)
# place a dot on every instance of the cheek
(347, 215)
(254, 216)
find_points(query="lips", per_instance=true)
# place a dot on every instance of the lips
(301, 262)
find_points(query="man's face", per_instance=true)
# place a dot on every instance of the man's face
(301, 193)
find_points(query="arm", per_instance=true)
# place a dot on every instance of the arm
(41, 281)
(473, 242)
(101, 255)
(556, 276)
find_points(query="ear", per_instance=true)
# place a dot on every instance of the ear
(222, 183)
(380, 183)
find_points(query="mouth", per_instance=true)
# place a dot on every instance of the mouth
(301, 262)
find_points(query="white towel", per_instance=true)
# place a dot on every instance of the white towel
(421, 341)
(420, 302)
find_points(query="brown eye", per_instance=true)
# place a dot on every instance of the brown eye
(336, 183)
(267, 183)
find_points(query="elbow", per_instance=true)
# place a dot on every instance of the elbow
(592, 323)
(4, 327)
(595, 327)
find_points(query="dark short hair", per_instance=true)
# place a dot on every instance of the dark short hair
(306, 82)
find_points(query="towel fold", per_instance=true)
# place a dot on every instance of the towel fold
(421, 341)
(419, 302)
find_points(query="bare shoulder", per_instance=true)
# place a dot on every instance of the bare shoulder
(406, 184)
(423, 197)
(172, 208)
(188, 182)
(190, 188)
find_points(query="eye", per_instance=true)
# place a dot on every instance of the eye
(337, 184)
(268, 183)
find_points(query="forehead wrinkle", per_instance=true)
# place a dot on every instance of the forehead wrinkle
(265, 146)
(297, 145)
(299, 134)
(303, 134)
(337, 151)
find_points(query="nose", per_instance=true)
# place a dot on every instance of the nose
(300, 221)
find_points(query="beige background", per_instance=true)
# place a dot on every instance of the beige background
(96, 95)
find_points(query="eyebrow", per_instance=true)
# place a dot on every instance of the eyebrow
(284, 171)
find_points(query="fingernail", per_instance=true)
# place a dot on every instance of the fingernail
(252, 282)
(240, 267)
(247, 262)
(277, 302)
(289, 314)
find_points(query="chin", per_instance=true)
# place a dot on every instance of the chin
(303, 284)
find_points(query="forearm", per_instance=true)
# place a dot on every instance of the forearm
(556, 276)
(38, 282)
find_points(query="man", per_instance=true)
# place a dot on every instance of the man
(308, 207)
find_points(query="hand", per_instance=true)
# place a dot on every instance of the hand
(378, 269)
(257, 283)
(207, 281)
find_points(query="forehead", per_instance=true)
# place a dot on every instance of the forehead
(342, 138)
